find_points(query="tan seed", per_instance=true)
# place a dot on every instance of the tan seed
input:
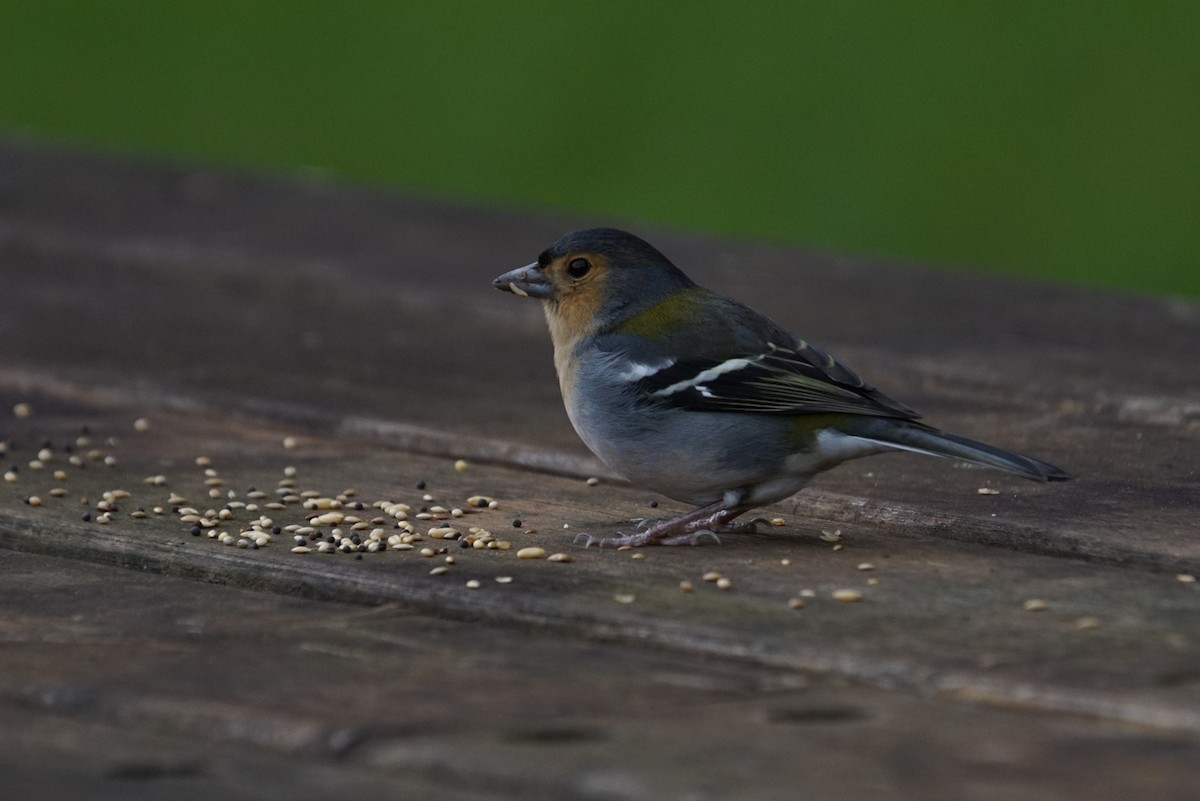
(141, 424)
(1036, 605)
(1087, 623)
(290, 442)
(711, 575)
(461, 466)
(796, 603)
(301, 549)
(624, 598)
(504, 579)
(1185, 578)
(865, 566)
(847, 596)
(22, 410)
(440, 570)
(724, 583)
(778, 521)
(988, 491)
(686, 586)
(831, 536)
(58, 492)
(473, 584)
(531, 553)
(593, 481)
(559, 557)
(638, 555)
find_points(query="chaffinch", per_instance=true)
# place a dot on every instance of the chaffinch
(703, 399)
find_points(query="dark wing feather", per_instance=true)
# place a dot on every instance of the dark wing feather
(800, 379)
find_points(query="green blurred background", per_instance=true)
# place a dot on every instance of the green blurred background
(1059, 139)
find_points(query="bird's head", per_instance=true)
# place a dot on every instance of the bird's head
(596, 278)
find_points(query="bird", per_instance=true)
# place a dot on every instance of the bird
(702, 399)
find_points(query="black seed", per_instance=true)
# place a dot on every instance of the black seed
(277, 530)
(653, 504)
(330, 538)
(196, 531)
(87, 517)
(420, 485)
(517, 523)
(358, 556)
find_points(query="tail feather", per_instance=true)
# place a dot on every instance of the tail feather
(919, 438)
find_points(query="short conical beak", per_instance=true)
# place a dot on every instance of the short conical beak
(528, 281)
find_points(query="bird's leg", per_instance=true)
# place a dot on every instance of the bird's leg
(689, 528)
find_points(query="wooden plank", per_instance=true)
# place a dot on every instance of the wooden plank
(262, 695)
(944, 617)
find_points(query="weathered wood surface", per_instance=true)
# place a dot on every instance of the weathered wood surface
(234, 311)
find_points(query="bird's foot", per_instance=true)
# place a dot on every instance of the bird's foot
(687, 529)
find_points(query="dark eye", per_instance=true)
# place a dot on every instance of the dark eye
(578, 268)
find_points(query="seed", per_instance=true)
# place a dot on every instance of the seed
(711, 575)
(796, 603)
(10, 476)
(478, 501)
(559, 557)
(110, 460)
(289, 442)
(139, 514)
(440, 570)
(638, 555)
(428, 552)
(203, 461)
(1035, 605)
(1185, 578)
(987, 491)
(624, 547)
(141, 424)
(33, 500)
(624, 598)
(36, 464)
(831, 536)
(785, 561)
(60, 475)
(461, 466)
(872, 581)
(686, 586)
(838, 547)
(724, 583)
(865, 566)
(808, 593)
(473, 584)
(531, 553)
(847, 596)
(22, 410)
(504, 579)
(493, 504)
(301, 549)
(593, 481)
(778, 521)
(1087, 623)
(58, 492)
(517, 523)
